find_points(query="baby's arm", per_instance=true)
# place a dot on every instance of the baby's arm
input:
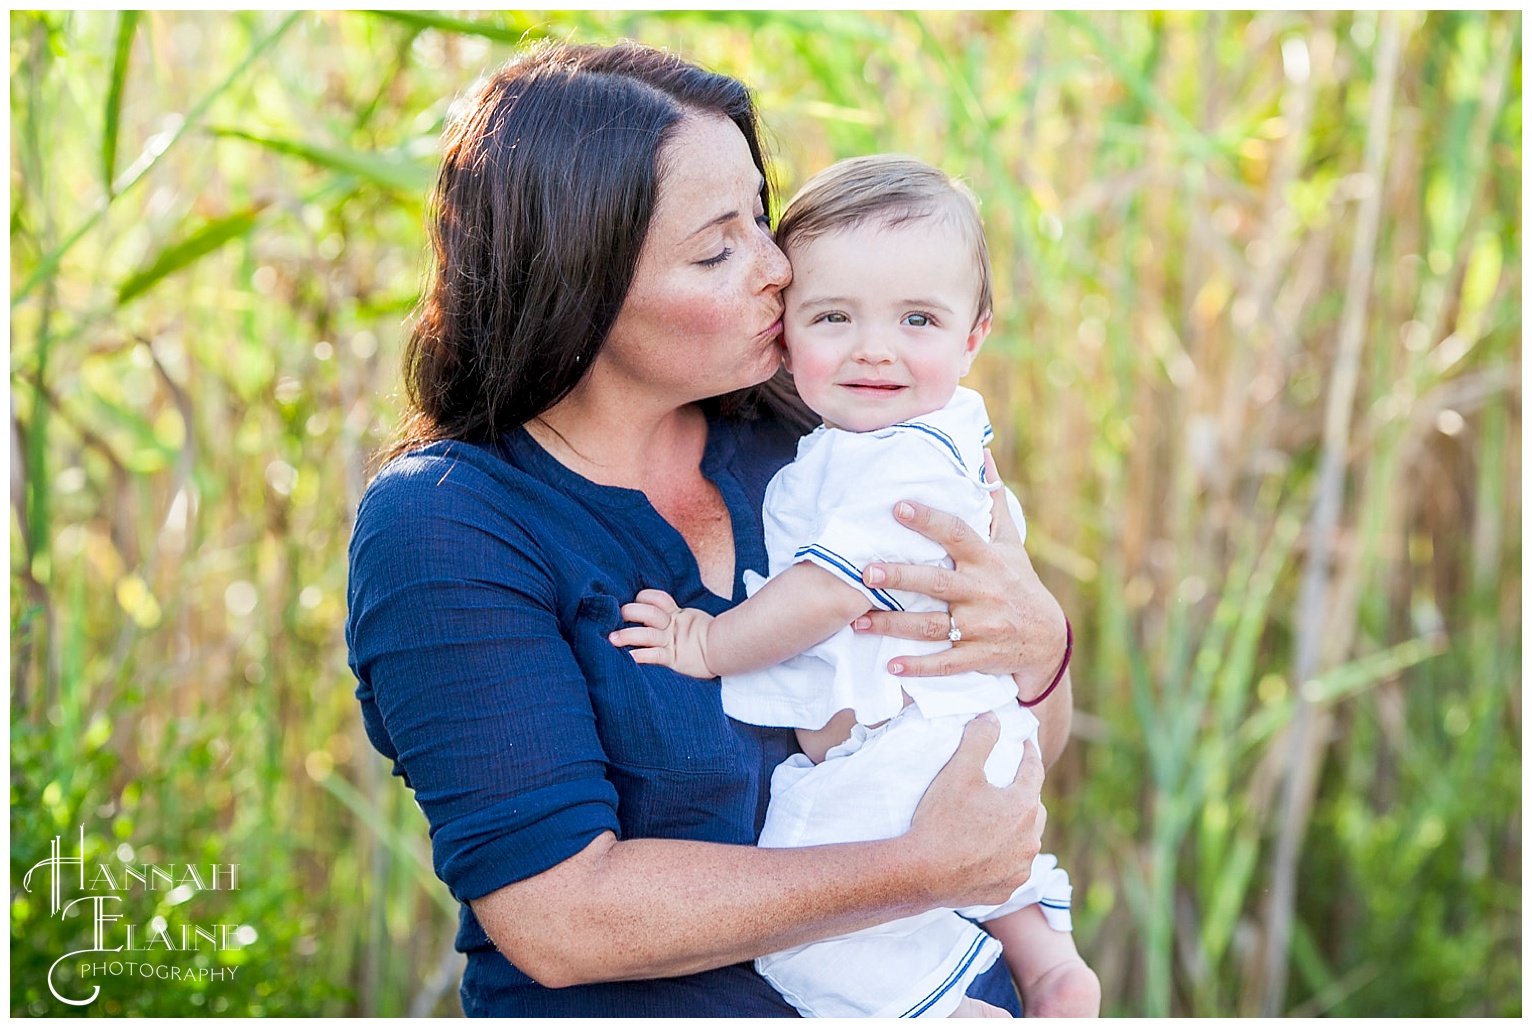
(802, 606)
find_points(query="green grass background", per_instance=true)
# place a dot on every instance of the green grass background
(1256, 375)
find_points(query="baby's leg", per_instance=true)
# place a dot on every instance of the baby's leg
(1053, 980)
(816, 742)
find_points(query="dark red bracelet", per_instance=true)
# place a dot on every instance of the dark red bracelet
(1069, 648)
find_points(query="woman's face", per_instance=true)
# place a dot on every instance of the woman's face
(704, 314)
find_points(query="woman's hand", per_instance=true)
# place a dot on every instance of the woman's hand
(979, 839)
(1010, 623)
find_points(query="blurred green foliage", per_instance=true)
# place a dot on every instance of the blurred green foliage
(217, 238)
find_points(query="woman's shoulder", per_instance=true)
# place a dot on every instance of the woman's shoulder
(454, 474)
(446, 490)
(421, 469)
(451, 511)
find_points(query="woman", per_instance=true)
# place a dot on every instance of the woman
(591, 414)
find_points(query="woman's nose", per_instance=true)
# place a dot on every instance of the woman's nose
(775, 270)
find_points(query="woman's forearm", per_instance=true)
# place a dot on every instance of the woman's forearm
(650, 908)
(1055, 715)
(656, 908)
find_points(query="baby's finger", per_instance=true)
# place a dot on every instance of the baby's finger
(646, 637)
(658, 598)
(650, 655)
(645, 614)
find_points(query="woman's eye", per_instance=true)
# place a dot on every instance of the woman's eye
(917, 320)
(713, 262)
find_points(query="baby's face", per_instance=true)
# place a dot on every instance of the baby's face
(879, 324)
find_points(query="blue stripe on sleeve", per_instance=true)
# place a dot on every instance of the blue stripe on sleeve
(849, 570)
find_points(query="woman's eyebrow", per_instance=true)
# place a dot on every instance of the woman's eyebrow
(726, 216)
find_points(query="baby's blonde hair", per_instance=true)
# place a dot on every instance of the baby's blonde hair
(889, 189)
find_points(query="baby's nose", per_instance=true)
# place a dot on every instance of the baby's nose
(874, 347)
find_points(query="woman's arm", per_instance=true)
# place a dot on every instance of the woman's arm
(469, 684)
(647, 908)
(800, 608)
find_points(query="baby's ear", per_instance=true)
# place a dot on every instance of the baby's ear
(976, 337)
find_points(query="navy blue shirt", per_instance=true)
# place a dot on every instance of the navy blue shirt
(485, 579)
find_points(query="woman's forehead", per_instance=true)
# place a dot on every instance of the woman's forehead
(706, 173)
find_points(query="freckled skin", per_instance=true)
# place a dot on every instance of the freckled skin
(645, 908)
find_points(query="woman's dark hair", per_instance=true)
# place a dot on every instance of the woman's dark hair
(548, 180)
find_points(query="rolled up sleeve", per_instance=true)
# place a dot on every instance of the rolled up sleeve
(466, 680)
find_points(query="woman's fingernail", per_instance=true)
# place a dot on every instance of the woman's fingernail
(862, 624)
(904, 510)
(873, 576)
(896, 668)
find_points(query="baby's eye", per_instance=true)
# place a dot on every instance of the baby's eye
(917, 320)
(833, 318)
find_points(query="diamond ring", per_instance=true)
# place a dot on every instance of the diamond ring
(954, 633)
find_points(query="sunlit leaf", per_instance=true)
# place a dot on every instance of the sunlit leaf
(49, 264)
(388, 171)
(127, 24)
(188, 250)
(520, 30)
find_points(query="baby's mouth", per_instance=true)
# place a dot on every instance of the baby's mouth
(873, 387)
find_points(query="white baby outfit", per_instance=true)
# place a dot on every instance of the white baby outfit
(833, 505)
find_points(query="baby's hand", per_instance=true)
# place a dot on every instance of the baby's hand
(671, 635)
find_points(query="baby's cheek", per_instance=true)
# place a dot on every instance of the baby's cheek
(810, 370)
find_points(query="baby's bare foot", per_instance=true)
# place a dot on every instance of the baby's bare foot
(1070, 989)
(970, 1007)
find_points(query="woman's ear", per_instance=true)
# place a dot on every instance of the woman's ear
(976, 337)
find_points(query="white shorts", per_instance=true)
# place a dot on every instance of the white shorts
(868, 788)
